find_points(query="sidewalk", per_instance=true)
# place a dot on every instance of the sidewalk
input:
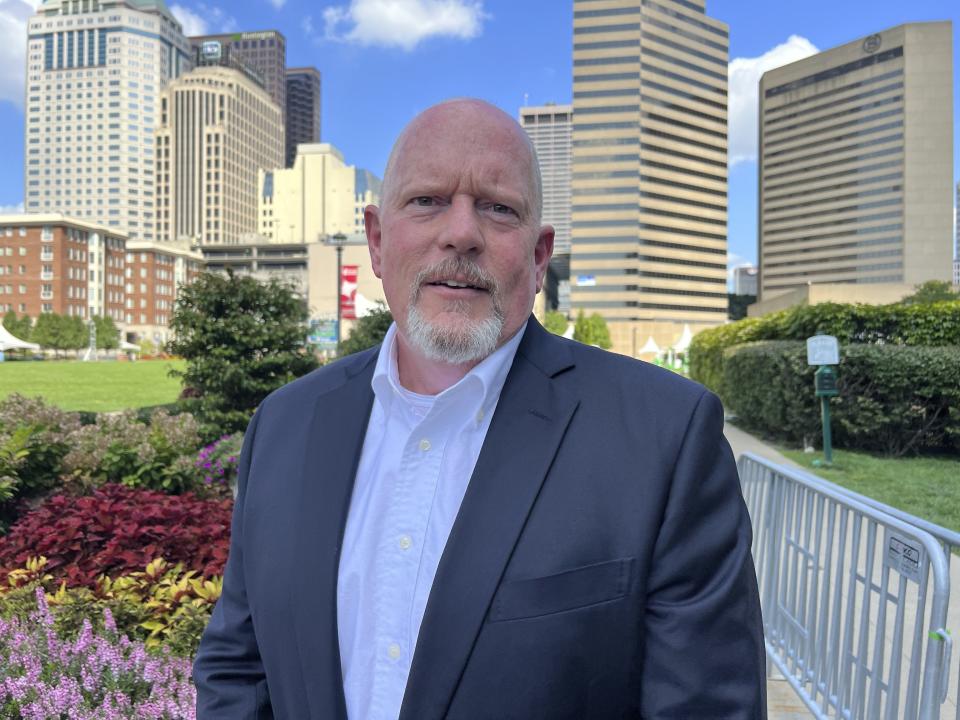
(782, 702)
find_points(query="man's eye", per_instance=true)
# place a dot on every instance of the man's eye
(503, 209)
(423, 201)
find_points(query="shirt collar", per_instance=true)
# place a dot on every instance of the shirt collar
(484, 381)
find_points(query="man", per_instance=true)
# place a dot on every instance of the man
(479, 519)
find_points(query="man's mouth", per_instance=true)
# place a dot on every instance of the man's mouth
(456, 284)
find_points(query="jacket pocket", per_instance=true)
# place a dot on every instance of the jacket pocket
(568, 590)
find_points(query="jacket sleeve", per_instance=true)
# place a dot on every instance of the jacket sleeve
(228, 671)
(704, 653)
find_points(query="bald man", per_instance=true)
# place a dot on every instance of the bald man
(477, 519)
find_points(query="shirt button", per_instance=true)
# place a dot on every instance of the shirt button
(393, 651)
(405, 542)
(424, 444)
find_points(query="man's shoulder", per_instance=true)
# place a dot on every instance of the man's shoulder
(328, 377)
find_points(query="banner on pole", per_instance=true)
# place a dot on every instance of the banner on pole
(348, 292)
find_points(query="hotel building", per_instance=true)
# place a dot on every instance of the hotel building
(856, 163)
(218, 128)
(95, 70)
(153, 276)
(649, 185)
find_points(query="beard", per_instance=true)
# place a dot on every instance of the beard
(461, 339)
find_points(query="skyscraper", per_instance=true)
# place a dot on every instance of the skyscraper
(550, 128)
(856, 163)
(649, 215)
(264, 52)
(95, 70)
(218, 128)
(303, 109)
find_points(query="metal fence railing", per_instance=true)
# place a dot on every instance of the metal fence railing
(854, 598)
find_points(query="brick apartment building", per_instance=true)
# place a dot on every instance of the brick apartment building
(52, 263)
(153, 272)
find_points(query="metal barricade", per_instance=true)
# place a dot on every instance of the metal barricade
(845, 588)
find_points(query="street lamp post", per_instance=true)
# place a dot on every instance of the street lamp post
(338, 240)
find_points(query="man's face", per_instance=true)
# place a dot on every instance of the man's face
(457, 240)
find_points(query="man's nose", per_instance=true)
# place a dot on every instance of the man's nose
(461, 229)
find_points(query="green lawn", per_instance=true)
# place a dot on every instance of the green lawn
(97, 386)
(926, 487)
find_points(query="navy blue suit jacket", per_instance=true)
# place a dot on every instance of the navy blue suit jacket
(599, 566)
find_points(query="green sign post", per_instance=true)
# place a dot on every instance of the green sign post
(824, 351)
(825, 385)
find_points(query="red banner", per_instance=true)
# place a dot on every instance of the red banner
(348, 292)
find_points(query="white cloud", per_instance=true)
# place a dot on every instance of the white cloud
(204, 20)
(277, 3)
(744, 81)
(403, 23)
(192, 23)
(13, 49)
(11, 209)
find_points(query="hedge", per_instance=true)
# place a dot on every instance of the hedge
(895, 399)
(935, 324)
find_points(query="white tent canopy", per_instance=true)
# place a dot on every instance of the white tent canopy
(683, 343)
(9, 342)
(650, 347)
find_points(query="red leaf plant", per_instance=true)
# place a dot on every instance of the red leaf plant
(119, 530)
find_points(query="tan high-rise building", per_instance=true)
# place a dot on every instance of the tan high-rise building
(218, 128)
(649, 235)
(856, 163)
(550, 128)
(95, 70)
(319, 196)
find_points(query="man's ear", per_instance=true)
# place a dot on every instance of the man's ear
(542, 252)
(371, 225)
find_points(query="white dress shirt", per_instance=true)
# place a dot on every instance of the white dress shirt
(418, 455)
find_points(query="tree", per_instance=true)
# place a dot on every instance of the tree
(737, 305)
(59, 332)
(367, 331)
(20, 328)
(108, 336)
(592, 330)
(930, 292)
(242, 339)
(555, 322)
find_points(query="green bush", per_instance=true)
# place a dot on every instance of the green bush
(893, 399)
(936, 324)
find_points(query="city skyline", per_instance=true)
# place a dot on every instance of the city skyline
(377, 76)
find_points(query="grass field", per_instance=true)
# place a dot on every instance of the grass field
(926, 487)
(97, 386)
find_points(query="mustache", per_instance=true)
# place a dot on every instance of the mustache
(458, 267)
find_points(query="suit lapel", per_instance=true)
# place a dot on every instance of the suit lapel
(525, 432)
(330, 465)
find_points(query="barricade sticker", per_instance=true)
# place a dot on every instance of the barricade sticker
(903, 555)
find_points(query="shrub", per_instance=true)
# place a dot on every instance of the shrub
(163, 606)
(119, 448)
(893, 399)
(936, 324)
(96, 675)
(34, 438)
(242, 339)
(118, 530)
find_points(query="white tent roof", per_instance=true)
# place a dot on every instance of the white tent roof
(124, 345)
(650, 347)
(686, 337)
(9, 342)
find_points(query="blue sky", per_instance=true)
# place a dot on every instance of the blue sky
(384, 60)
